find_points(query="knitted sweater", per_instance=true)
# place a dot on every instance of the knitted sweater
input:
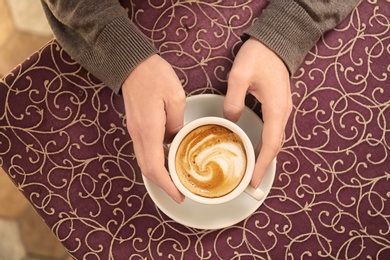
(100, 36)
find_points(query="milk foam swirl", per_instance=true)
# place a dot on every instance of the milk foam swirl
(211, 161)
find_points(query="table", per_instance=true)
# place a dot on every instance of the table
(64, 143)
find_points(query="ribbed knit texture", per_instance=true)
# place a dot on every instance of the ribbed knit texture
(118, 50)
(287, 29)
(99, 35)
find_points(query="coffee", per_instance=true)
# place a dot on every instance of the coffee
(211, 161)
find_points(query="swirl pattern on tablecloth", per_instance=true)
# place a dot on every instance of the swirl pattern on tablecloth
(63, 142)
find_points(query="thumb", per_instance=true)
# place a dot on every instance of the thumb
(235, 100)
(174, 110)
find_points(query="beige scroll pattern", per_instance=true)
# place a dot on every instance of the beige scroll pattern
(63, 142)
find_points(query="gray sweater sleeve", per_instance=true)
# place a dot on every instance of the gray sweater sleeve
(292, 28)
(100, 36)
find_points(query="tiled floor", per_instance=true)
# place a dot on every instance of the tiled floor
(23, 234)
(23, 29)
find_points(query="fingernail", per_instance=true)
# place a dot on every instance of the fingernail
(230, 117)
(178, 200)
(256, 185)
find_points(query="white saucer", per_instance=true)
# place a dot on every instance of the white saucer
(196, 215)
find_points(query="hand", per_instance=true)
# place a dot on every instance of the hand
(258, 70)
(154, 102)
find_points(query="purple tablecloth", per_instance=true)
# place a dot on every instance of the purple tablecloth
(64, 143)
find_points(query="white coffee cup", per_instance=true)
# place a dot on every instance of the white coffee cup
(243, 186)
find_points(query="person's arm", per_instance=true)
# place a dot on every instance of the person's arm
(275, 46)
(100, 36)
(291, 28)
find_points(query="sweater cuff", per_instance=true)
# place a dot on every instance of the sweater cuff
(287, 29)
(118, 50)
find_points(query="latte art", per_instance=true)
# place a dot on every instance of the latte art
(211, 161)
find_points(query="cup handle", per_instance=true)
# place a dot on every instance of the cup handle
(257, 194)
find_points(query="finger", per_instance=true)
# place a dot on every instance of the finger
(151, 159)
(234, 101)
(165, 182)
(275, 120)
(271, 143)
(148, 147)
(174, 109)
